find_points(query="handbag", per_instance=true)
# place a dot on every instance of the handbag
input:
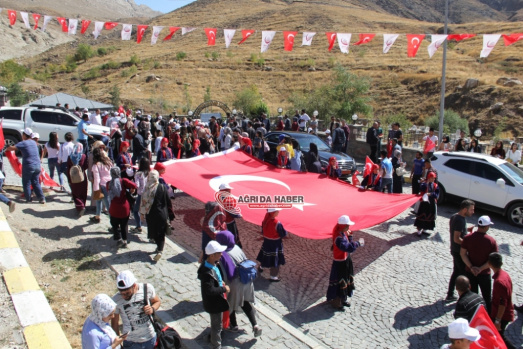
(97, 195)
(166, 336)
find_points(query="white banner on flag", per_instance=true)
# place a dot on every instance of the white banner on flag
(25, 18)
(186, 30)
(388, 41)
(127, 29)
(307, 38)
(47, 19)
(98, 27)
(344, 41)
(73, 25)
(228, 34)
(489, 41)
(156, 34)
(436, 42)
(267, 37)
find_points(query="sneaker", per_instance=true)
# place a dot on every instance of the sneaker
(81, 212)
(419, 232)
(12, 206)
(42, 202)
(274, 279)
(345, 304)
(451, 298)
(257, 331)
(157, 257)
(121, 244)
(152, 241)
(136, 230)
(94, 219)
(232, 329)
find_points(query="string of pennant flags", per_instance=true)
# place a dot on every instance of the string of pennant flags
(70, 26)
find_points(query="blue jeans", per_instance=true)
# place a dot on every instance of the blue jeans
(53, 164)
(30, 175)
(4, 199)
(2, 183)
(136, 211)
(386, 183)
(105, 201)
(85, 143)
(145, 345)
(62, 169)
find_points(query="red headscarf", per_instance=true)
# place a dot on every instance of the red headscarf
(159, 166)
(165, 140)
(124, 144)
(247, 141)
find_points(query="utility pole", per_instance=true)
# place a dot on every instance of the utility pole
(443, 75)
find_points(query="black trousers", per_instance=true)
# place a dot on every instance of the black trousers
(248, 310)
(373, 152)
(415, 184)
(121, 223)
(457, 270)
(508, 343)
(482, 282)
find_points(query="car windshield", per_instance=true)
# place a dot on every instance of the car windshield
(515, 172)
(306, 140)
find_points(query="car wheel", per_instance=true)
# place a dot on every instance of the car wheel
(515, 214)
(442, 194)
(10, 140)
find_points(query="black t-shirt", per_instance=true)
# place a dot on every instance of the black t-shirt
(457, 223)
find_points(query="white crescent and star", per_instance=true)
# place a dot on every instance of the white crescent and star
(307, 37)
(267, 40)
(415, 44)
(248, 34)
(344, 42)
(127, 29)
(142, 30)
(366, 39)
(491, 44)
(389, 42)
(333, 36)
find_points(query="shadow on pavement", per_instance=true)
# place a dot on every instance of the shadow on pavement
(60, 232)
(421, 316)
(427, 339)
(185, 308)
(514, 329)
(319, 312)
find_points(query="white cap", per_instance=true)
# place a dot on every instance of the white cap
(484, 221)
(138, 112)
(224, 186)
(214, 247)
(345, 220)
(160, 117)
(273, 209)
(149, 117)
(122, 115)
(177, 127)
(35, 135)
(28, 132)
(460, 329)
(328, 131)
(125, 279)
(85, 110)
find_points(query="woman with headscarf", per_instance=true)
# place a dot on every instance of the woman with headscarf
(372, 180)
(427, 211)
(124, 161)
(164, 154)
(445, 144)
(246, 145)
(297, 160)
(157, 209)
(227, 138)
(241, 296)
(195, 148)
(332, 170)
(258, 145)
(474, 147)
(78, 190)
(140, 178)
(119, 207)
(312, 160)
(101, 175)
(397, 180)
(97, 332)
(341, 279)
(271, 253)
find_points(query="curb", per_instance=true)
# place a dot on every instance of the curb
(40, 327)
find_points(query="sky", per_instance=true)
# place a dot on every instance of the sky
(164, 5)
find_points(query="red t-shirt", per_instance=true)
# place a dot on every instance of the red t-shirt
(502, 295)
(479, 246)
(119, 207)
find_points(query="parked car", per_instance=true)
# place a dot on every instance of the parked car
(345, 162)
(492, 183)
(43, 120)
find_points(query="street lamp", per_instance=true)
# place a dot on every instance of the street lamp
(280, 110)
(354, 118)
(234, 112)
(315, 113)
(478, 133)
(190, 113)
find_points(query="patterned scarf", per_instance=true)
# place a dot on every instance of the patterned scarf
(115, 185)
(149, 192)
(77, 153)
(102, 306)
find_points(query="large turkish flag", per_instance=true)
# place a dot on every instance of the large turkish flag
(324, 199)
(490, 337)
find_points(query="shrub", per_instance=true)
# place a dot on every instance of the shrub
(250, 101)
(156, 65)
(17, 96)
(135, 60)
(70, 64)
(133, 70)
(180, 56)
(405, 123)
(93, 73)
(102, 51)
(12, 72)
(115, 95)
(110, 65)
(42, 76)
(207, 55)
(452, 121)
(83, 53)
(215, 55)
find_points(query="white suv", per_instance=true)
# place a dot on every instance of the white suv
(491, 183)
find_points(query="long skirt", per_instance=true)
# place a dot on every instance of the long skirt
(79, 192)
(233, 228)
(271, 253)
(426, 217)
(341, 280)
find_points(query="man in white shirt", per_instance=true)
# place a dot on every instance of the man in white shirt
(304, 118)
(66, 149)
(434, 140)
(96, 118)
(112, 118)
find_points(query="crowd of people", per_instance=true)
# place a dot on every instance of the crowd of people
(127, 184)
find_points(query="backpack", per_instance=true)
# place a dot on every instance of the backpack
(247, 271)
(76, 174)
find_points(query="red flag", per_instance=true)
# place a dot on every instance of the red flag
(413, 43)
(245, 35)
(288, 40)
(36, 17)
(355, 180)
(15, 163)
(203, 176)
(172, 30)
(331, 37)
(139, 34)
(63, 22)
(509, 39)
(365, 38)
(110, 25)
(2, 139)
(490, 337)
(211, 36)
(389, 148)
(46, 180)
(459, 37)
(12, 16)
(429, 145)
(121, 110)
(85, 25)
(368, 167)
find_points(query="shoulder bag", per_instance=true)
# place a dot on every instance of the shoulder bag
(166, 336)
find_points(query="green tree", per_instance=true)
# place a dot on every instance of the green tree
(17, 96)
(250, 101)
(12, 72)
(86, 90)
(83, 52)
(207, 95)
(451, 122)
(188, 99)
(115, 95)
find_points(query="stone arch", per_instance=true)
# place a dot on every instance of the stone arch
(211, 103)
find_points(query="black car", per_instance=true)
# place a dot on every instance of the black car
(345, 162)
